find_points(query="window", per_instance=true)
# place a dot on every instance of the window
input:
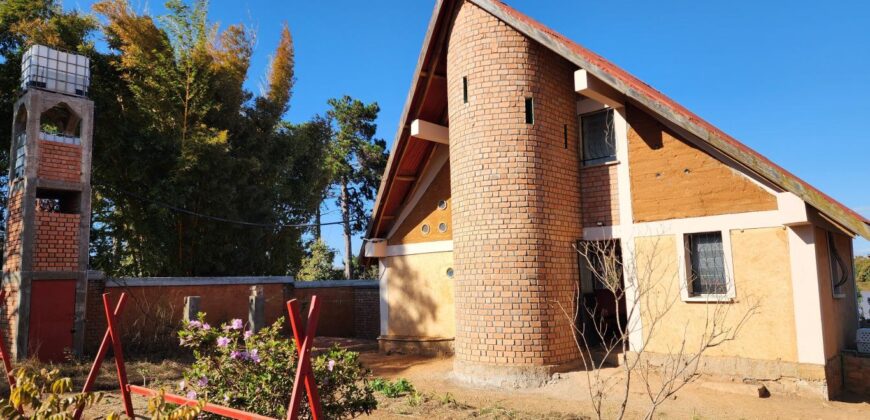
(600, 263)
(598, 137)
(530, 111)
(839, 272)
(465, 90)
(706, 257)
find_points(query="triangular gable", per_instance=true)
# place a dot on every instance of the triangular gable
(634, 90)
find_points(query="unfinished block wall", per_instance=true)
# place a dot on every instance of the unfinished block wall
(59, 161)
(516, 202)
(57, 241)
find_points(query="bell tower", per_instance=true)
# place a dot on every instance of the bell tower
(49, 204)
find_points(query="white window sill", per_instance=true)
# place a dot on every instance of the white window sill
(709, 299)
(599, 164)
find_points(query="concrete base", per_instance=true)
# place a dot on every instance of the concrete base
(423, 346)
(506, 376)
(780, 377)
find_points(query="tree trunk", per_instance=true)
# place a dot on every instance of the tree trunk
(317, 215)
(345, 221)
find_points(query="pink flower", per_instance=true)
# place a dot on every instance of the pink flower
(202, 382)
(191, 395)
(254, 355)
(205, 326)
(235, 355)
(236, 324)
(248, 334)
(195, 324)
(223, 341)
(330, 365)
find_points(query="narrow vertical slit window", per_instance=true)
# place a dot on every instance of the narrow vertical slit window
(530, 111)
(565, 134)
(464, 90)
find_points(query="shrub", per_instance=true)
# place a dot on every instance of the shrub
(255, 371)
(40, 394)
(393, 389)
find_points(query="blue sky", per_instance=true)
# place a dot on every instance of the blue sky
(790, 81)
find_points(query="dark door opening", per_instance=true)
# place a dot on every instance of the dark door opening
(601, 314)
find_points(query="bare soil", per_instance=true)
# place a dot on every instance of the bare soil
(440, 396)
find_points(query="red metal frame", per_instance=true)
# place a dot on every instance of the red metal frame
(303, 336)
(303, 368)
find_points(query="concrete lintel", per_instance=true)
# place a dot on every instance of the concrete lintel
(591, 87)
(425, 130)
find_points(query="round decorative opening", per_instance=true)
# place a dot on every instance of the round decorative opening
(442, 204)
(450, 272)
(425, 229)
(442, 227)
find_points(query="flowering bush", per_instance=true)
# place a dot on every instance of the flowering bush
(255, 371)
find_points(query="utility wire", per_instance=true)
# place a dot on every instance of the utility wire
(222, 219)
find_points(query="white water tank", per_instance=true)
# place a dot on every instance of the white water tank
(49, 69)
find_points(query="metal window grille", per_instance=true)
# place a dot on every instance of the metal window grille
(20, 141)
(708, 263)
(599, 137)
(46, 68)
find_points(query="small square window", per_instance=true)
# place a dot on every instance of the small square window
(599, 137)
(706, 258)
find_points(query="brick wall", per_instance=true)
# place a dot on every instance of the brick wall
(600, 195)
(516, 196)
(12, 264)
(14, 226)
(856, 373)
(155, 310)
(57, 241)
(58, 161)
(367, 312)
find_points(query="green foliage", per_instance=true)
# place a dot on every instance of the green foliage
(394, 389)
(318, 264)
(354, 163)
(159, 409)
(43, 394)
(255, 372)
(172, 106)
(862, 269)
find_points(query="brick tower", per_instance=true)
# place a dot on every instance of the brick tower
(511, 107)
(49, 203)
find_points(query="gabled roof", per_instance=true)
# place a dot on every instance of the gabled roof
(634, 90)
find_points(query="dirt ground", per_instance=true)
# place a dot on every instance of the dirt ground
(440, 396)
(568, 396)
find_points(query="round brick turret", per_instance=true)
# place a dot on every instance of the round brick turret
(516, 202)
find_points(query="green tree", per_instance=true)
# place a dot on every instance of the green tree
(355, 163)
(862, 270)
(318, 264)
(193, 174)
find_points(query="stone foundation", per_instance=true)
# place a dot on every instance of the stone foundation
(433, 347)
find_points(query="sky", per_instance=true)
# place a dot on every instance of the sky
(789, 80)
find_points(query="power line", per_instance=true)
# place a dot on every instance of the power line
(222, 219)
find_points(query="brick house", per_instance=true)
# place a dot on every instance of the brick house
(516, 143)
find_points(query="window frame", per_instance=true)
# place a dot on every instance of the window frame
(831, 249)
(685, 269)
(586, 110)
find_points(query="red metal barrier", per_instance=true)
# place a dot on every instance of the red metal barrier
(304, 339)
(303, 336)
